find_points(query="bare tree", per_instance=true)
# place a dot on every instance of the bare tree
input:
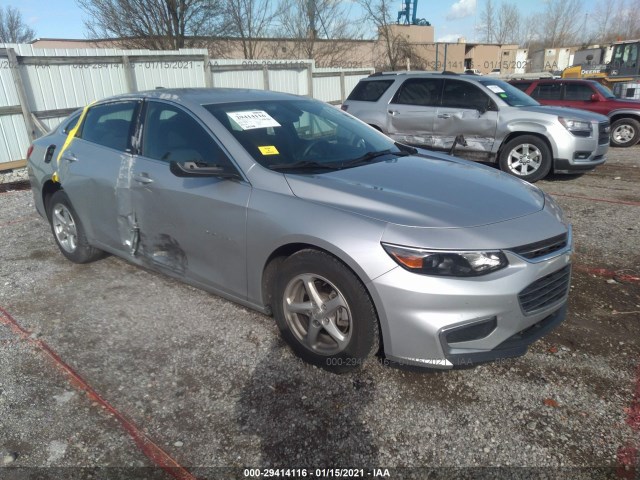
(507, 27)
(12, 28)
(559, 26)
(250, 21)
(318, 28)
(626, 22)
(382, 14)
(604, 13)
(487, 19)
(153, 24)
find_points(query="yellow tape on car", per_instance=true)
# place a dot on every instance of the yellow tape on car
(67, 142)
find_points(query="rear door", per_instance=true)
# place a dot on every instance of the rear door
(92, 171)
(411, 113)
(191, 227)
(466, 109)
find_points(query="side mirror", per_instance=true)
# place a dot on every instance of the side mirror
(595, 97)
(199, 169)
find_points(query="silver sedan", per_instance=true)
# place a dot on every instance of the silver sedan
(356, 244)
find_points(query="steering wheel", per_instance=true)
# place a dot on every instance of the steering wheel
(313, 145)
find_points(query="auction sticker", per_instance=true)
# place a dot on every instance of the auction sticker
(495, 89)
(250, 120)
(269, 150)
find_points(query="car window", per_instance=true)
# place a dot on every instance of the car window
(370, 90)
(604, 91)
(459, 94)
(109, 124)
(282, 132)
(547, 91)
(577, 92)
(508, 93)
(71, 124)
(521, 85)
(171, 134)
(424, 92)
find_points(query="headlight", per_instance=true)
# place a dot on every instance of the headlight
(446, 263)
(575, 126)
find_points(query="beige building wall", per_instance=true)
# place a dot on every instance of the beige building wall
(486, 57)
(414, 33)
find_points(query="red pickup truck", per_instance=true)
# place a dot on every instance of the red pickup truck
(624, 115)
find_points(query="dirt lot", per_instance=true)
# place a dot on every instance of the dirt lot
(110, 371)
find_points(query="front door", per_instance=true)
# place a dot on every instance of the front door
(192, 227)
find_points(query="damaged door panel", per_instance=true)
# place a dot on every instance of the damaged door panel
(465, 109)
(194, 227)
(412, 111)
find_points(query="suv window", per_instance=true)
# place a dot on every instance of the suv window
(459, 94)
(547, 91)
(109, 124)
(577, 92)
(521, 85)
(424, 92)
(369, 91)
(172, 134)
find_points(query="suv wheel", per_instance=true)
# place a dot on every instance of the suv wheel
(625, 132)
(526, 157)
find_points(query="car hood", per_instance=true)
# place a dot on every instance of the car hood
(564, 111)
(422, 192)
(624, 103)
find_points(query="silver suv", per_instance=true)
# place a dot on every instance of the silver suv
(483, 119)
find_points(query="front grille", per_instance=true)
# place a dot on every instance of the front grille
(542, 248)
(545, 291)
(603, 133)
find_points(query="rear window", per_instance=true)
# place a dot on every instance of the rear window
(370, 90)
(548, 91)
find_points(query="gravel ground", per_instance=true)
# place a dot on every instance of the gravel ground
(212, 384)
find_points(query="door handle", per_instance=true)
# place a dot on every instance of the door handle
(69, 157)
(143, 178)
(393, 112)
(444, 115)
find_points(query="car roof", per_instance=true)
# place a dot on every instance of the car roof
(206, 96)
(421, 74)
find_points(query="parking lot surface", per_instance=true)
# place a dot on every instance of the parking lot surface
(111, 371)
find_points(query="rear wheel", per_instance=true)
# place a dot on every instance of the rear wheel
(625, 132)
(68, 231)
(526, 157)
(324, 312)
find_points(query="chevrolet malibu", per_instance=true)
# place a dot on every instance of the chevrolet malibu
(356, 244)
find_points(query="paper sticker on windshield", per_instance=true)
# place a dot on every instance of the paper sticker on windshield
(269, 150)
(253, 119)
(495, 89)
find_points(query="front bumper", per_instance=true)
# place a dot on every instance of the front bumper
(418, 312)
(582, 154)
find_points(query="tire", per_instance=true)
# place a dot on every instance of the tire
(625, 132)
(68, 231)
(345, 324)
(533, 150)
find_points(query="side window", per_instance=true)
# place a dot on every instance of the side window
(459, 94)
(109, 124)
(521, 85)
(370, 90)
(71, 124)
(547, 91)
(172, 134)
(577, 91)
(312, 127)
(420, 91)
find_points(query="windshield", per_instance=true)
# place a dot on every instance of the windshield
(604, 91)
(508, 93)
(302, 134)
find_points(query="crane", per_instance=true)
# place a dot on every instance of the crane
(409, 14)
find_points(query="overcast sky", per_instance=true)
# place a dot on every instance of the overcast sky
(450, 18)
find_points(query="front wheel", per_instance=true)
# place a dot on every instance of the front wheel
(625, 132)
(68, 231)
(526, 157)
(324, 312)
